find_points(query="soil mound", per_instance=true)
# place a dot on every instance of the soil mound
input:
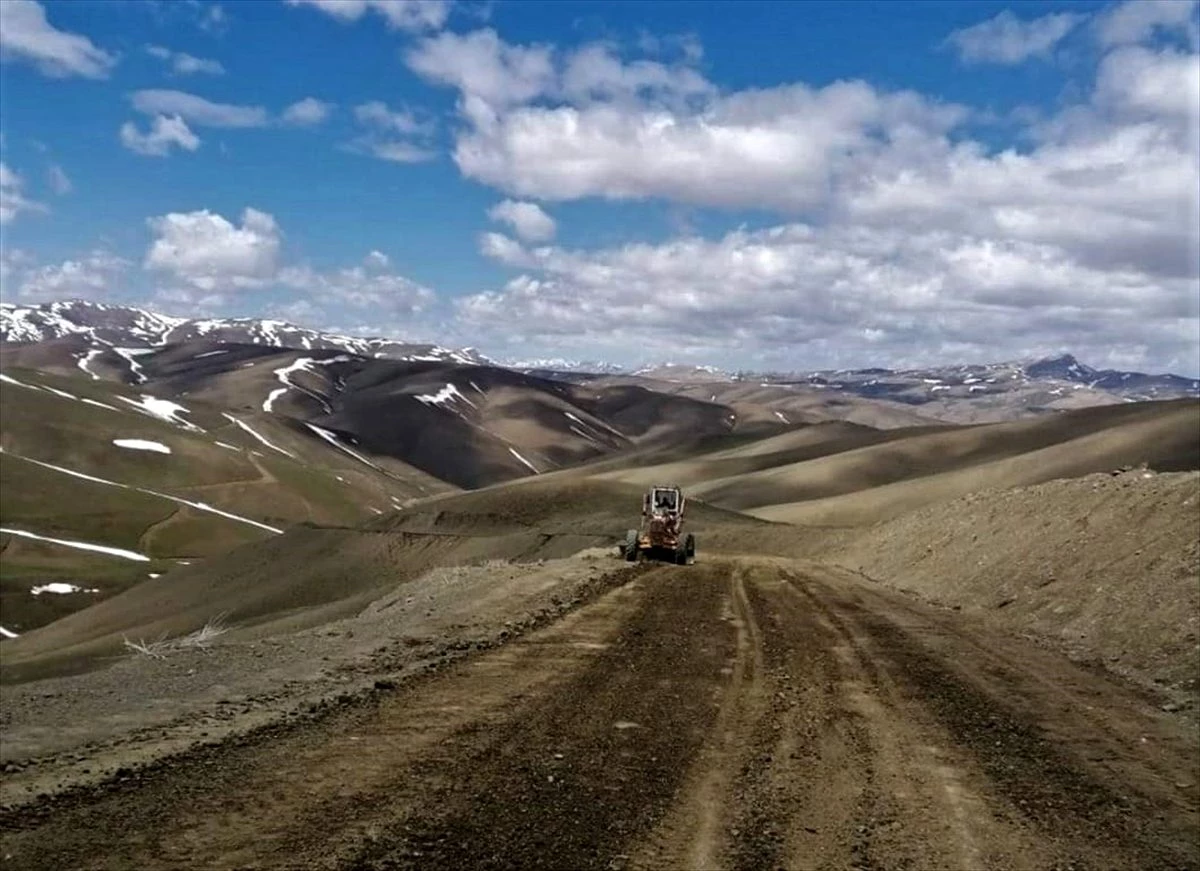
(1107, 565)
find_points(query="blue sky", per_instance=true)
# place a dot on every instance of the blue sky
(751, 184)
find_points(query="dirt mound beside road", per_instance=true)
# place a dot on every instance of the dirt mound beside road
(1107, 565)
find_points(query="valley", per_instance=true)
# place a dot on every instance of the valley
(352, 605)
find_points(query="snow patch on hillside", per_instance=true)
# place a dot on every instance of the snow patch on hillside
(88, 358)
(200, 506)
(245, 426)
(60, 589)
(447, 394)
(333, 440)
(142, 445)
(530, 465)
(78, 545)
(163, 409)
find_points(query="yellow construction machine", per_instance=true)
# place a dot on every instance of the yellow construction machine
(661, 534)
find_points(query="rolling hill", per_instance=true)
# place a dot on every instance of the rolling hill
(151, 468)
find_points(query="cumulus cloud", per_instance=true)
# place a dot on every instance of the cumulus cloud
(411, 15)
(481, 65)
(486, 68)
(551, 127)
(164, 133)
(377, 114)
(527, 219)
(806, 295)
(189, 302)
(13, 201)
(26, 35)
(1139, 83)
(197, 110)
(90, 277)
(184, 64)
(397, 135)
(206, 251)
(1007, 39)
(307, 112)
(915, 235)
(1137, 21)
(365, 287)
(376, 260)
(503, 249)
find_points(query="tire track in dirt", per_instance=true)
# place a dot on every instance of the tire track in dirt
(806, 767)
(1019, 774)
(922, 810)
(694, 834)
(738, 714)
(313, 794)
(592, 766)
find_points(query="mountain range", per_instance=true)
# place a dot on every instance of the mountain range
(132, 444)
(99, 329)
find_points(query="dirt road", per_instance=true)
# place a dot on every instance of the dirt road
(736, 714)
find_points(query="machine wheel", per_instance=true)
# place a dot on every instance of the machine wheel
(630, 547)
(689, 550)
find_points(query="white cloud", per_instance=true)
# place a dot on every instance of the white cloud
(1112, 180)
(307, 112)
(503, 249)
(377, 114)
(915, 234)
(1139, 83)
(361, 287)
(376, 260)
(807, 296)
(204, 250)
(1007, 39)
(774, 148)
(1136, 21)
(189, 302)
(26, 35)
(297, 311)
(88, 278)
(58, 180)
(596, 72)
(527, 219)
(481, 65)
(397, 152)
(164, 133)
(184, 64)
(12, 197)
(397, 135)
(412, 15)
(198, 110)
(559, 126)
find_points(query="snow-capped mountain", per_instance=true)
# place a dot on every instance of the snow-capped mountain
(128, 327)
(560, 365)
(1051, 377)
(1043, 382)
(1067, 368)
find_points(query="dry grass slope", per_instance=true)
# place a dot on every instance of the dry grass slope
(1106, 565)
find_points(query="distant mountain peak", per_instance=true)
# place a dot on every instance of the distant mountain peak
(1063, 366)
(104, 324)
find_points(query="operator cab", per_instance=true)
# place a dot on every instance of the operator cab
(663, 500)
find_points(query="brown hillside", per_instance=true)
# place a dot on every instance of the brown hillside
(1165, 436)
(1107, 565)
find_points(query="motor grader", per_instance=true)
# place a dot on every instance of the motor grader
(661, 533)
